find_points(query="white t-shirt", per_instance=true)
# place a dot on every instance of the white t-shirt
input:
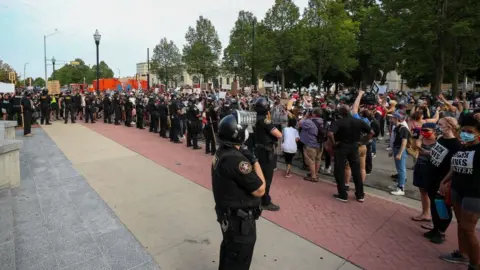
(289, 144)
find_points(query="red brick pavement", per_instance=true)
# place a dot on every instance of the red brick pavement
(377, 234)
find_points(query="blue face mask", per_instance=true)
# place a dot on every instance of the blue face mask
(467, 137)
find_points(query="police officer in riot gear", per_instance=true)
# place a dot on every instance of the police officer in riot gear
(128, 111)
(193, 124)
(174, 110)
(140, 108)
(266, 137)
(163, 115)
(45, 101)
(152, 111)
(89, 108)
(237, 184)
(69, 105)
(107, 110)
(117, 109)
(211, 127)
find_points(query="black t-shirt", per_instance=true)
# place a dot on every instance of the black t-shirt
(27, 105)
(233, 179)
(263, 129)
(401, 132)
(439, 163)
(349, 130)
(466, 171)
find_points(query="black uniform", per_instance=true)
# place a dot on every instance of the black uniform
(140, 108)
(26, 103)
(128, 112)
(210, 129)
(163, 115)
(174, 120)
(45, 101)
(89, 102)
(152, 111)
(69, 105)
(193, 126)
(233, 181)
(107, 110)
(78, 106)
(16, 108)
(117, 109)
(264, 151)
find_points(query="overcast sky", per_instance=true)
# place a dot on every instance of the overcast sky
(128, 28)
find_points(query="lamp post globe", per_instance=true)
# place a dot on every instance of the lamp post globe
(97, 38)
(278, 68)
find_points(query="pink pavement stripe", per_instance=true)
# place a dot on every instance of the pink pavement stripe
(376, 234)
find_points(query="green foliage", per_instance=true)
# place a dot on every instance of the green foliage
(167, 61)
(202, 50)
(4, 70)
(40, 82)
(79, 73)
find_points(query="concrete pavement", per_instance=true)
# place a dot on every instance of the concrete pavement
(170, 215)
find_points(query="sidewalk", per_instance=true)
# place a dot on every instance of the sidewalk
(377, 234)
(60, 222)
(171, 216)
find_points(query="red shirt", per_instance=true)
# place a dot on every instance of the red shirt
(381, 110)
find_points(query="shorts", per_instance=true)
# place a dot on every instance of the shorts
(288, 157)
(421, 175)
(312, 156)
(362, 157)
(468, 204)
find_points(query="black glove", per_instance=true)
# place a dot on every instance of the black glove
(249, 155)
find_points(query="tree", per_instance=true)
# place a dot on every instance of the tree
(81, 73)
(5, 69)
(331, 36)
(202, 50)
(105, 72)
(167, 61)
(240, 48)
(39, 82)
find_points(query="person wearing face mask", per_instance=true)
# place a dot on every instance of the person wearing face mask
(425, 143)
(238, 185)
(464, 178)
(437, 168)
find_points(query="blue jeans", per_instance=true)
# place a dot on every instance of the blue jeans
(374, 146)
(401, 166)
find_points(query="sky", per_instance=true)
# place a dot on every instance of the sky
(128, 28)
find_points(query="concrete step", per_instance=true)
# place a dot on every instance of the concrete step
(7, 243)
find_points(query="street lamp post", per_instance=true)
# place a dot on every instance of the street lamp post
(25, 74)
(45, 53)
(235, 65)
(97, 38)
(53, 64)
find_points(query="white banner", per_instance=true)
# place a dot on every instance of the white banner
(7, 88)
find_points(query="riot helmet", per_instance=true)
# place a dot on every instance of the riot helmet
(230, 132)
(262, 106)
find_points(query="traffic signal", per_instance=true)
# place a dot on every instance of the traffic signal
(12, 76)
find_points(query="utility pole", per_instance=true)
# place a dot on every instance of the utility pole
(53, 64)
(254, 81)
(148, 69)
(25, 74)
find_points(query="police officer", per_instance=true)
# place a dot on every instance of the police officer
(211, 127)
(26, 112)
(175, 112)
(107, 109)
(193, 124)
(54, 106)
(89, 100)
(45, 101)
(266, 137)
(16, 107)
(128, 111)
(152, 111)
(117, 109)
(140, 108)
(69, 105)
(163, 115)
(238, 184)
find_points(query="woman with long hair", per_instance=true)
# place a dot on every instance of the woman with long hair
(464, 177)
(438, 167)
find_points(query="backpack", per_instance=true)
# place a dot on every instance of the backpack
(322, 133)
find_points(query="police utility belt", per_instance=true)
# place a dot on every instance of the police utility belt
(246, 214)
(268, 147)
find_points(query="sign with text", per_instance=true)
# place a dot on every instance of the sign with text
(53, 87)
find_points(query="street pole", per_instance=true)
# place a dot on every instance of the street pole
(53, 64)
(254, 80)
(45, 57)
(25, 74)
(148, 69)
(97, 37)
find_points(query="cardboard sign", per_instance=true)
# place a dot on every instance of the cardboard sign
(53, 87)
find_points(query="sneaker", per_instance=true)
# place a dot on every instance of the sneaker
(361, 199)
(339, 198)
(389, 149)
(271, 207)
(328, 171)
(398, 192)
(438, 238)
(393, 187)
(430, 234)
(455, 257)
(374, 155)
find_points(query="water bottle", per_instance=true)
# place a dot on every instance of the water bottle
(441, 207)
